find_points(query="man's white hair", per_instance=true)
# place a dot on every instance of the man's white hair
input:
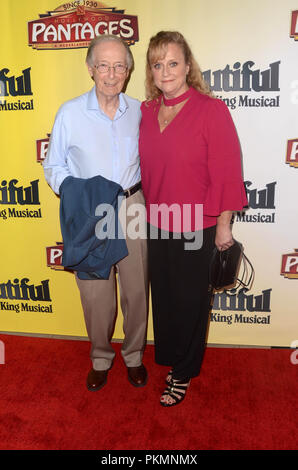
(105, 38)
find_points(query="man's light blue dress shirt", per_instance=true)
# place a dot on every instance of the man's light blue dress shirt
(85, 142)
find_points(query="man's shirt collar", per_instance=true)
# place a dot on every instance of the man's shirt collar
(92, 103)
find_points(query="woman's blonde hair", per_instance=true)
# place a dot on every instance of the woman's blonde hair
(157, 49)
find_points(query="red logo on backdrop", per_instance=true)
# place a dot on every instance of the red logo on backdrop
(289, 265)
(292, 152)
(73, 25)
(54, 256)
(41, 148)
(294, 25)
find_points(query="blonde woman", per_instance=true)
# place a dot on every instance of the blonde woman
(190, 156)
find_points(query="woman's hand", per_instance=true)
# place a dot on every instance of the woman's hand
(223, 237)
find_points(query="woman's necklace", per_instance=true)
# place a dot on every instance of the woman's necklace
(167, 113)
(170, 107)
(170, 114)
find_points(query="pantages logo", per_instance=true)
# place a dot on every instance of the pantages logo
(260, 200)
(292, 152)
(289, 265)
(21, 290)
(74, 24)
(54, 256)
(12, 193)
(246, 78)
(12, 86)
(294, 25)
(42, 148)
(250, 309)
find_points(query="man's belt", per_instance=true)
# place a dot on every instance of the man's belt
(132, 190)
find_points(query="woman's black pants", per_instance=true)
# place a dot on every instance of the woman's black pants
(181, 301)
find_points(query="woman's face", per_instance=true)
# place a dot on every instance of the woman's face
(169, 72)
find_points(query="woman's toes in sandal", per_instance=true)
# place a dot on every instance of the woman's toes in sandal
(174, 393)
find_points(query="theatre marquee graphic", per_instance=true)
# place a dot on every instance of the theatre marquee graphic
(254, 85)
(15, 196)
(18, 295)
(294, 25)
(289, 265)
(72, 25)
(240, 307)
(292, 152)
(42, 148)
(16, 87)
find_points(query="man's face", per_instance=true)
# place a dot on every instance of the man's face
(110, 83)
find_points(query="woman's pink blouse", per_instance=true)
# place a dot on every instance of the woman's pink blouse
(195, 160)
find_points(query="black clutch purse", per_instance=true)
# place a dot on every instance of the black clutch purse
(225, 265)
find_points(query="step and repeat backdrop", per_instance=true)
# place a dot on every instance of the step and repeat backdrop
(248, 53)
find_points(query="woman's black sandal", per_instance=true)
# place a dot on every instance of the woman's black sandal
(169, 377)
(176, 390)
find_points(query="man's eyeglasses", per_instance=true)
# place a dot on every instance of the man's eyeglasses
(104, 68)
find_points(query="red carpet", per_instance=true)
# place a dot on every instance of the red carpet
(244, 399)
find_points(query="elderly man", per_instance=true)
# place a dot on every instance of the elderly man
(97, 134)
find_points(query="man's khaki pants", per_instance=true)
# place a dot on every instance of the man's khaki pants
(99, 303)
